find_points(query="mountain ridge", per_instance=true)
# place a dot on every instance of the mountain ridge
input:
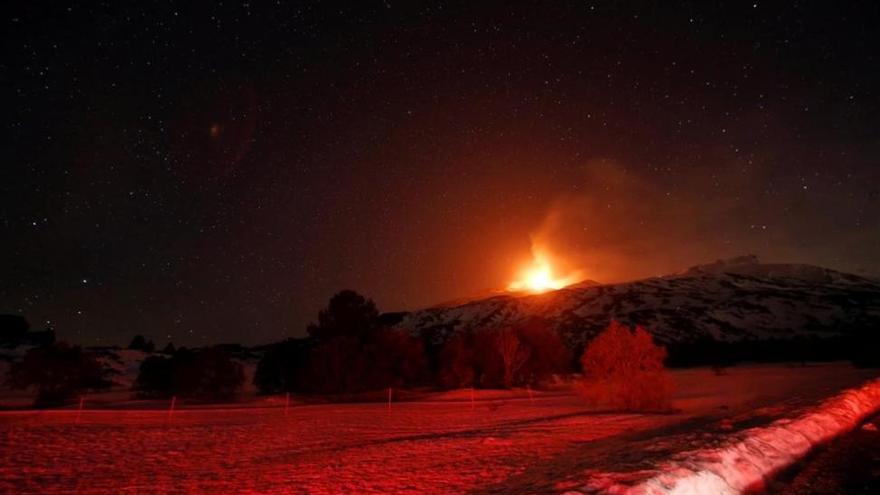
(727, 301)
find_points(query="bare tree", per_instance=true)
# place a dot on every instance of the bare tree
(513, 354)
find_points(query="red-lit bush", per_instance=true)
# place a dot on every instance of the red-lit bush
(624, 368)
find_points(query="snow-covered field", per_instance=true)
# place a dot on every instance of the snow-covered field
(501, 442)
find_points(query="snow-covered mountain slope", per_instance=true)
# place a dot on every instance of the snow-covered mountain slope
(728, 300)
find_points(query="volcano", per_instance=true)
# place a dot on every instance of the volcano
(728, 301)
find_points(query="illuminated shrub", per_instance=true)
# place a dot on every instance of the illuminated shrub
(624, 368)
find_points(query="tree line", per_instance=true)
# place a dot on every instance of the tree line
(350, 350)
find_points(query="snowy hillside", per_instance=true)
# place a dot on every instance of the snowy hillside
(727, 300)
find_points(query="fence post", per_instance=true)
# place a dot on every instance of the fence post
(80, 410)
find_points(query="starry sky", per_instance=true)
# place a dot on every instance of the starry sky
(214, 173)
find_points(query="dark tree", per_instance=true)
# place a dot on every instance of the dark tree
(472, 359)
(169, 349)
(13, 329)
(347, 314)
(58, 372)
(42, 338)
(513, 355)
(456, 368)
(353, 353)
(155, 378)
(336, 366)
(548, 354)
(220, 376)
(864, 349)
(528, 353)
(139, 343)
(489, 368)
(397, 359)
(348, 350)
(282, 367)
(208, 374)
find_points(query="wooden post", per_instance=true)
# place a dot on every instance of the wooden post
(80, 410)
(286, 403)
(171, 409)
(389, 398)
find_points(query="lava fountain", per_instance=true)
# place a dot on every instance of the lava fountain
(539, 276)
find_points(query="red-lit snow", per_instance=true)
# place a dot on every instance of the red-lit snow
(502, 443)
(746, 460)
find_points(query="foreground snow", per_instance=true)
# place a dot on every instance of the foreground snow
(501, 442)
(750, 457)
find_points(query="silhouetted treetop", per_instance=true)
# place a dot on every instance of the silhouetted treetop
(15, 331)
(139, 343)
(13, 328)
(347, 314)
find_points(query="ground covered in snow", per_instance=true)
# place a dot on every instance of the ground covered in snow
(499, 442)
(849, 465)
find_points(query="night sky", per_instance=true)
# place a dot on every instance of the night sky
(215, 173)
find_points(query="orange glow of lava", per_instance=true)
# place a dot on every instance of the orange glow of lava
(539, 276)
